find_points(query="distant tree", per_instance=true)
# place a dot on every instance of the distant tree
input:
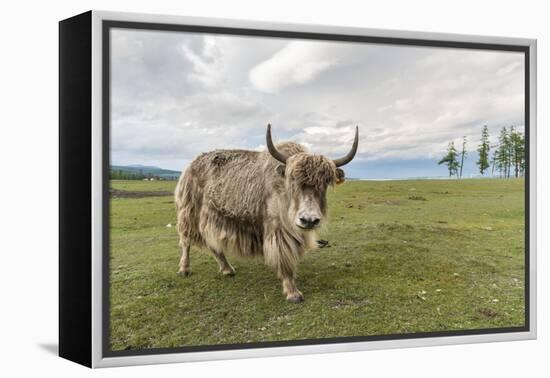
(501, 156)
(517, 148)
(494, 159)
(119, 174)
(523, 157)
(463, 154)
(483, 149)
(451, 160)
(509, 147)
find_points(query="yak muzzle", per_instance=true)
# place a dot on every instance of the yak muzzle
(309, 223)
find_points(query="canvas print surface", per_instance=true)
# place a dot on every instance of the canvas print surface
(386, 199)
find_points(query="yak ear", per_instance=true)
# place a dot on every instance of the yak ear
(281, 170)
(340, 176)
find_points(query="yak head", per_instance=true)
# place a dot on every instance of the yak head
(307, 178)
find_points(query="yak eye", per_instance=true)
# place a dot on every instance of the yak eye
(281, 170)
(340, 176)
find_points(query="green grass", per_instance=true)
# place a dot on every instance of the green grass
(404, 256)
(143, 186)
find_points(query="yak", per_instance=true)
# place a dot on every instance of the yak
(257, 204)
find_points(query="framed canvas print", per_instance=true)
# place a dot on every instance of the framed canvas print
(234, 189)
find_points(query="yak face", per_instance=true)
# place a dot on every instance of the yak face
(307, 178)
(310, 210)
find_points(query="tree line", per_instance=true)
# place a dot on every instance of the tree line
(507, 158)
(119, 174)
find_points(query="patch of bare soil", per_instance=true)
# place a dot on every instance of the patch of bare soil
(417, 198)
(389, 202)
(118, 193)
(487, 312)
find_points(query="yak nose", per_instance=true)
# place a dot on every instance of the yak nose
(309, 222)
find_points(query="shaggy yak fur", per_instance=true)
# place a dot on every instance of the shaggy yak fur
(246, 203)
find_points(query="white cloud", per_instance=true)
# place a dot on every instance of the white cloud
(208, 66)
(296, 63)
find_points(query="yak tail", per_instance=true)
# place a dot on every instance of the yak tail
(188, 204)
(179, 191)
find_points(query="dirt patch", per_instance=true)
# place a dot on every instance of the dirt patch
(487, 312)
(358, 206)
(118, 193)
(389, 202)
(417, 198)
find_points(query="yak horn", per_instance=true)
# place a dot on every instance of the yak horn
(351, 154)
(273, 150)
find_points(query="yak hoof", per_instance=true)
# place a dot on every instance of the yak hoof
(184, 273)
(295, 297)
(230, 272)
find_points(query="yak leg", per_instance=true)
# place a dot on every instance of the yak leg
(287, 274)
(184, 261)
(292, 293)
(282, 254)
(225, 268)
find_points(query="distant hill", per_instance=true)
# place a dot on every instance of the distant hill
(138, 171)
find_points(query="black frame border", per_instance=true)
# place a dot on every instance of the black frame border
(107, 25)
(75, 188)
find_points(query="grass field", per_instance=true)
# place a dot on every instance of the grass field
(404, 256)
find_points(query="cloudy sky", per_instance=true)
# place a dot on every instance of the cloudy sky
(175, 95)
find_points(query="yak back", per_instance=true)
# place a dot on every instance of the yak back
(237, 183)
